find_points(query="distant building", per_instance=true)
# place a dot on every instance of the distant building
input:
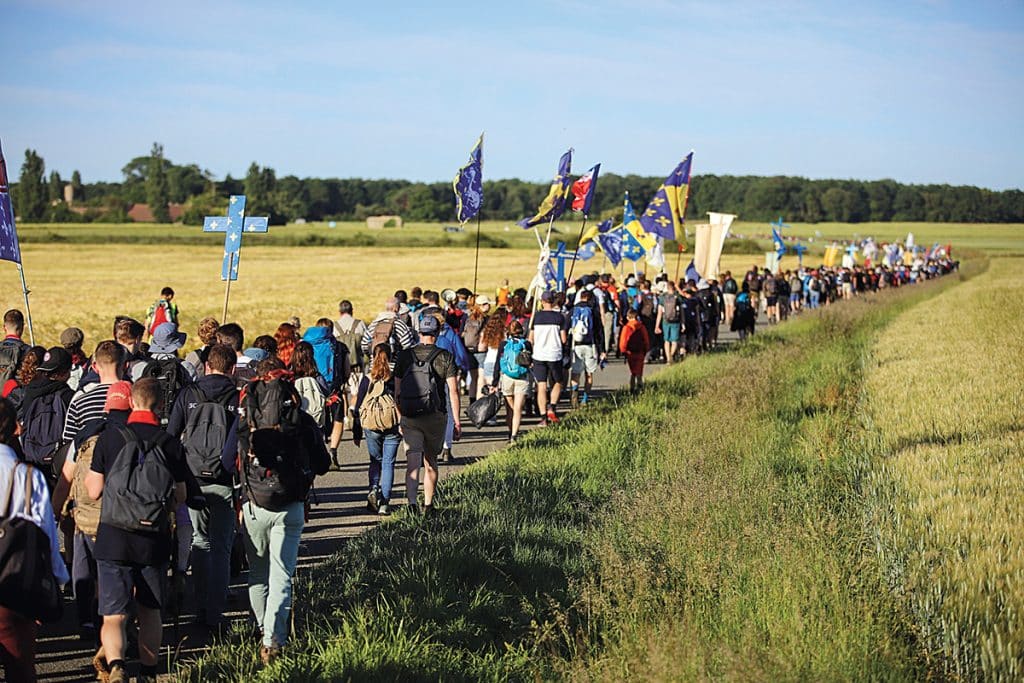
(383, 221)
(141, 213)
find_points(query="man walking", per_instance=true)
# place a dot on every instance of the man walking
(548, 335)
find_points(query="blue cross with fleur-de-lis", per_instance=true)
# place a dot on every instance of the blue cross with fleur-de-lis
(233, 225)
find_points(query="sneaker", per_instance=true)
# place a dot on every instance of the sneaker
(512, 439)
(268, 654)
(99, 662)
(446, 456)
(384, 510)
(552, 418)
(584, 398)
(118, 674)
(373, 500)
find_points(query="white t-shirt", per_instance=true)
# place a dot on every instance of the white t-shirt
(547, 327)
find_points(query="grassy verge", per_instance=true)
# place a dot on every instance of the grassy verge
(948, 415)
(710, 527)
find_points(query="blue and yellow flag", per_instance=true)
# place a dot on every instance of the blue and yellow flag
(664, 215)
(554, 204)
(469, 184)
(635, 228)
(631, 248)
(611, 243)
(594, 230)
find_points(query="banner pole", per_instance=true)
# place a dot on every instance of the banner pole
(227, 292)
(28, 309)
(572, 266)
(679, 260)
(476, 263)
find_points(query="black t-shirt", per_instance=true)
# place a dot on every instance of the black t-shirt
(443, 366)
(134, 547)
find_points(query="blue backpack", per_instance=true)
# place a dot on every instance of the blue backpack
(510, 366)
(581, 323)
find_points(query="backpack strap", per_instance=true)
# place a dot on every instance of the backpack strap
(28, 488)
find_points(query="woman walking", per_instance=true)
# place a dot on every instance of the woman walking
(511, 373)
(377, 419)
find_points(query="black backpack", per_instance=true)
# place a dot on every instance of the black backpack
(172, 377)
(420, 394)
(44, 426)
(277, 470)
(672, 308)
(138, 485)
(27, 583)
(9, 357)
(207, 428)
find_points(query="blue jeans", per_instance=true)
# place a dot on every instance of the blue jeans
(814, 296)
(383, 449)
(213, 534)
(272, 546)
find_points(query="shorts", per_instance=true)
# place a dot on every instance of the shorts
(794, 297)
(424, 433)
(584, 357)
(545, 369)
(510, 386)
(117, 580)
(770, 300)
(730, 299)
(476, 360)
(670, 331)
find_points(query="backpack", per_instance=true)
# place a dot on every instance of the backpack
(471, 333)
(160, 314)
(378, 411)
(815, 285)
(351, 341)
(730, 287)
(27, 583)
(672, 308)
(86, 511)
(44, 426)
(312, 399)
(647, 304)
(138, 484)
(172, 378)
(8, 362)
(771, 286)
(277, 471)
(420, 393)
(582, 318)
(510, 366)
(382, 334)
(207, 428)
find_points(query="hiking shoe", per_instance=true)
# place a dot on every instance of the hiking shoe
(269, 654)
(383, 510)
(446, 456)
(118, 674)
(99, 662)
(552, 418)
(373, 500)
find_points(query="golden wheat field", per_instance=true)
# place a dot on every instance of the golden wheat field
(86, 285)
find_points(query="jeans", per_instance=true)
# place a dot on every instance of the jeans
(83, 579)
(213, 534)
(272, 545)
(814, 298)
(383, 449)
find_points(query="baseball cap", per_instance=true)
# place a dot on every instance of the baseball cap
(167, 339)
(548, 297)
(118, 396)
(483, 300)
(55, 360)
(631, 281)
(72, 337)
(429, 325)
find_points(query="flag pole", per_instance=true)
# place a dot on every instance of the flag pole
(572, 266)
(476, 263)
(679, 260)
(227, 292)
(28, 310)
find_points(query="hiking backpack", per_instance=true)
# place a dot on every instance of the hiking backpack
(138, 484)
(582, 319)
(8, 362)
(647, 304)
(44, 426)
(161, 314)
(207, 428)
(172, 377)
(86, 511)
(277, 470)
(510, 366)
(312, 399)
(420, 392)
(471, 333)
(672, 308)
(378, 411)
(27, 583)
(351, 340)
(382, 334)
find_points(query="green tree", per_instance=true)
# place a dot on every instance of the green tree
(77, 191)
(157, 193)
(30, 202)
(260, 184)
(55, 188)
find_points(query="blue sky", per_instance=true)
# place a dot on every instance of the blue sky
(919, 91)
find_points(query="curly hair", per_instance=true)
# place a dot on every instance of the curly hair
(286, 337)
(33, 357)
(207, 332)
(494, 329)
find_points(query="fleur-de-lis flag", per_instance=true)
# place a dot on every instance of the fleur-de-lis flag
(469, 184)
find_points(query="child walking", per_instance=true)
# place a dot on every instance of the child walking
(634, 343)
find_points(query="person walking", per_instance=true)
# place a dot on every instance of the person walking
(669, 320)
(511, 376)
(377, 423)
(472, 328)
(420, 373)
(207, 333)
(548, 335)
(205, 418)
(634, 345)
(587, 346)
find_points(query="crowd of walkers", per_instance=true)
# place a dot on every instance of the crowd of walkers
(143, 462)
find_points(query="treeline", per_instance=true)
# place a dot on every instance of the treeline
(156, 181)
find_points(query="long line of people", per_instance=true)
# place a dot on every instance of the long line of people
(152, 462)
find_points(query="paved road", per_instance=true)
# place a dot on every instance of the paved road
(341, 513)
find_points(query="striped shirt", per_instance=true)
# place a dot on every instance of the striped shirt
(86, 405)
